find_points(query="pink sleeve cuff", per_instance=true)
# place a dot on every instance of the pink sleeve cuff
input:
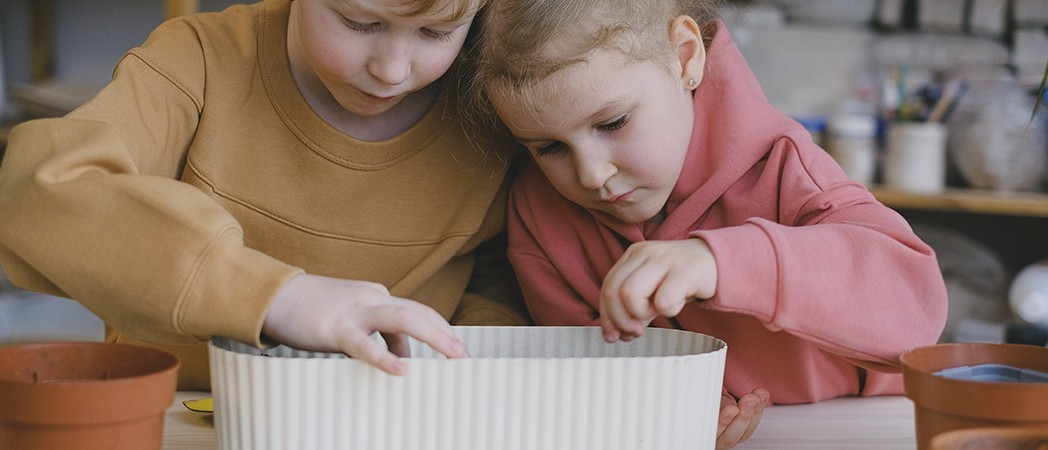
(747, 270)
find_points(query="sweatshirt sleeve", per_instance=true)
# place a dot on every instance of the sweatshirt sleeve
(837, 268)
(92, 210)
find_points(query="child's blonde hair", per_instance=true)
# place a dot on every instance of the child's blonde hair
(520, 42)
(459, 8)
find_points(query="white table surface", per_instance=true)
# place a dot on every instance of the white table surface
(840, 424)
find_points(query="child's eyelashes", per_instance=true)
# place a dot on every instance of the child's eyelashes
(549, 149)
(440, 35)
(557, 146)
(362, 27)
(614, 124)
(371, 27)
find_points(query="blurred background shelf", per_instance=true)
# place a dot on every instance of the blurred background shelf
(963, 200)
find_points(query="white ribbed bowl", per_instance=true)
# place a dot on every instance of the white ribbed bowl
(525, 388)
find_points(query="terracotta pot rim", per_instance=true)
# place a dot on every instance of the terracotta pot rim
(165, 358)
(963, 398)
(961, 438)
(126, 397)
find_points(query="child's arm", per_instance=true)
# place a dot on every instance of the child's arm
(112, 227)
(834, 267)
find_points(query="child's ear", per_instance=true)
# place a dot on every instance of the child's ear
(686, 40)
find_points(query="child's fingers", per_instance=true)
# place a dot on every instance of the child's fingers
(743, 423)
(752, 425)
(633, 281)
(639, 306)
(732, 434)
(727, 415)
(425, 325)
(617, 323)
(362, 347)
(397, 320)
(398, 344)
(610, 333)
(670, 298)
(608, 321)
(625, 329)
(635, 290)
(765, 398)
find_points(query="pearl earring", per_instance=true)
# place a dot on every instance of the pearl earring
(692, 82)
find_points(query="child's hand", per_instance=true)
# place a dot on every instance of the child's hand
(738, 420)
(334, 315)
(654, 278)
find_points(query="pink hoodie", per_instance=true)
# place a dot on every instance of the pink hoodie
(820, 286)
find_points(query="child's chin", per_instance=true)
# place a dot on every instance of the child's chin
(632, 215)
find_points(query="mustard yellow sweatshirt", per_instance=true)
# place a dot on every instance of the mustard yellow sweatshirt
(176, 202)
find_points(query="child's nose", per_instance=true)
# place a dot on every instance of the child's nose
(593, 169)
(391, 62)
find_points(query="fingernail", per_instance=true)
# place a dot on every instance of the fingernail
(399, 367)
(458, 348)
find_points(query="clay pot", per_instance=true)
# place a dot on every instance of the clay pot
(944, 404)
(84, 395)
(991, 439)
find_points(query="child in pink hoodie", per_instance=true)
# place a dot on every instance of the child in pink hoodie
(665, 190)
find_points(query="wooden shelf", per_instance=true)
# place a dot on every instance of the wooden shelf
(978, 201)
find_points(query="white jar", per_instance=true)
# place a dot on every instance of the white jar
(1028, 295)
(851, 139)
(915, 157)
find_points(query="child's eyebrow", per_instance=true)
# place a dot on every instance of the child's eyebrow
(526, 140)
(449, 20)
(349, 4)
(610, 107)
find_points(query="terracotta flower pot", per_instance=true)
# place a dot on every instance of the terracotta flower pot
(84, 395)
(991, 439)
(944, 404)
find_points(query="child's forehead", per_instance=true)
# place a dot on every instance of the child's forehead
(442, 10)
(588, 87)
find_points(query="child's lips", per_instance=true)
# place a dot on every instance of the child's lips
(618, 198)
(380, 98)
